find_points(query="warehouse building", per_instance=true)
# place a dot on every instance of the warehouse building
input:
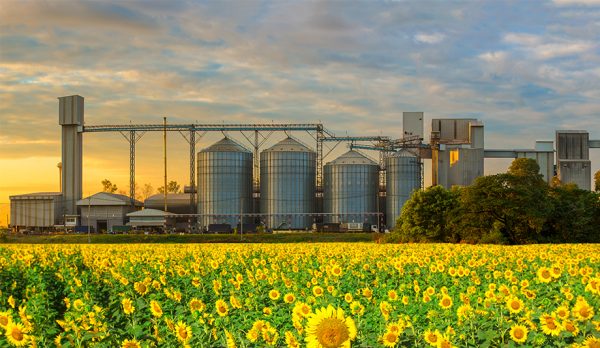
(152, 220)
(104, 211)
(37, 212)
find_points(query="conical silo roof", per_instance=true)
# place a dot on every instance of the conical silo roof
(289, 145)
(225, 145)
(403, 153)
(352, 157)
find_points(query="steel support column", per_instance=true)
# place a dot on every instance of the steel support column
(320, 136)
(192, 142)
(132, 142)
(256, 168)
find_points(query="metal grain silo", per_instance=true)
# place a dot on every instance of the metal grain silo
(287, 185)
(350, 189)
(403, 177)
(224, 183)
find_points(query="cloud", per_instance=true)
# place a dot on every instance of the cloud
(544, 47)
(353, 66)
(432, 38)
(576, 2)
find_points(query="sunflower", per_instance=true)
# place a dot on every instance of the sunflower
(464, 311)
(444, 343)
(591, 342)
(235, 302)
(317, 291)
(183, 331)
(544, 275)
(15, 334)
(432, 337)
(549, 325)
(155, 309)
(385, 309)
(291, 340)
(518, 333)
(289, 298)
(270, 335)
(302, 309)
(196, 305)
(328, 328)
(514, 305)
(396, 327)
(562, 312)
(336, 270)
(128, 307)
(357, 308)
(229, 339)
(130, 344)
(78, 304)
(252, 335)
(348, 297)
(392, 295)
(5, 319)
(11, 301)
(571, 327)
(274, 294)
(390, 339)
(446, 302)
(582, 310)
(222, 308)
(141, 288)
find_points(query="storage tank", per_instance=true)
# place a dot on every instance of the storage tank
(177, 203)
(287, 185)
(350, 189)
(224, 183)
(403, 176)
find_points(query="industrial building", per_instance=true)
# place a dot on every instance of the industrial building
(288, 185)
(103, 211)
(152, 220)
(37, 212)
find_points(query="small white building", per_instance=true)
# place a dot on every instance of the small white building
(151, 219)
(40, 211)
(103, 211)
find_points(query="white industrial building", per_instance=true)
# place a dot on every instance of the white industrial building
(103, 211)
(151, 220)
(38, 212)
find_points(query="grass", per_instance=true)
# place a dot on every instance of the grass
(296, 237)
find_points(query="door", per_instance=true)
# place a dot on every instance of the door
(101, 226)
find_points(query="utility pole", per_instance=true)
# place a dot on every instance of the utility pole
(165, 155)
(377, 216)
(88, 217)
(241, 217)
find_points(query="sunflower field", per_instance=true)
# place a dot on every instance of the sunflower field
(297, 295)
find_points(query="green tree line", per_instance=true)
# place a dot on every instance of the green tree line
(516, 207)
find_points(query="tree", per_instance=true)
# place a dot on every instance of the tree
(513, 205)
(146, 192)
(425, 216)
(525, 167)
(172, 187)
(597, 181)
(575, 215)
(108, 186)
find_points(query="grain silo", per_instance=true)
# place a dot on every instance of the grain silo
(350, 189)
(287, 185)
(224, 183)
(403, 177)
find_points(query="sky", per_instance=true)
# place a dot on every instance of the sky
(524, 68)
